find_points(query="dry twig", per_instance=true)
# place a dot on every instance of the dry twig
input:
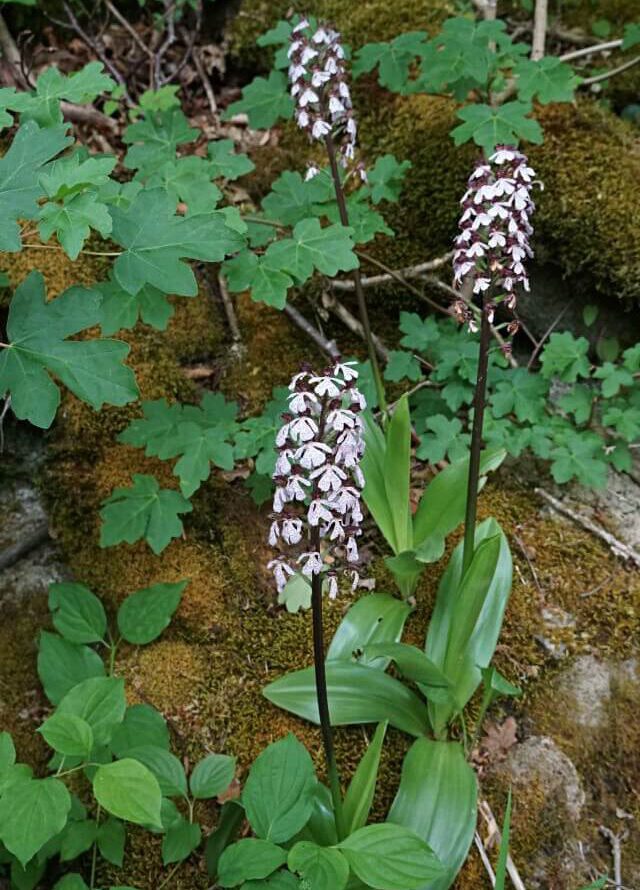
(616, 841)
(327, 346)
(619, 548)
(495, 836)
(351, 322)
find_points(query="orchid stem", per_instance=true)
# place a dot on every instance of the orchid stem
(476, 442)
(323, 705)
(357, 281)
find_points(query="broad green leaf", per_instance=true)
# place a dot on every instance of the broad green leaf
(77, 613)
(165, 766)
(390, 857)
(120, 309)
(437, 799)
(128, 790)
(279, 880)
(375, 618)
(467, 617)
(229, 822)
(154, 139)
(100, 702)
(68, 734)
(359, 796)
(278, 794)
(397, 461)
(143, 511)
(37, 330)
(411, 662)
(328, 250)
(212, 775)
(547, 80)
(62, 665)
(71, 882)
(142, 725)
(180, 841)
(375, 490)
(488, 127)
(247, 859)
(443, 502)
(111, 840)
(146, 613)
(323, 868)
(631, 35)
(224, 163)
(20, 168)
(7, 752)
(28, 877)
(264, 101)
(495, 686)
(32, 811)
(357, 694)
(157, 241)
(72, 220)
(77, 838)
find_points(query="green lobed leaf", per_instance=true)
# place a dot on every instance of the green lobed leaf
(565, 356)
(278, 793)
(224, 163)
(547, 80)
(328, 250)
(264, 101)
(120, 309)
(386, 178)
(37, 330)
(357, 694)
(506, 124)
(143, 511)
(156, 241)
(72, 219)
(393, 59)
(144, 614)
(154, 139)
(128, 790)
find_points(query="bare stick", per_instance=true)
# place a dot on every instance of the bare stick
(351, 322)
(87, 114)
(534, 574)
(230, 311)
(408, 272)
(128, 27)
(547, 333)
(206, 83)
(168, 42)
(539, 29)
(487, 814)
(598, 78)
(616, 546)
(589, 50)
(485, 859)
(91, 43)
(327, 346)
(615, 840)
(11, 53)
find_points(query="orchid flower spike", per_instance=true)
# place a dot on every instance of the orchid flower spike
(317, 514)
(493, 242)
(320, 89)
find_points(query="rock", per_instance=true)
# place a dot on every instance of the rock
(539, 761)
(586, 688)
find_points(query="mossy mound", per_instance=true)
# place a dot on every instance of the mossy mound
(366, 22)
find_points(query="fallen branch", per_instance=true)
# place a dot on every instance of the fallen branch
(408, 272)
(230, 312)
(327, 346)
(589, 50)
(598, 78)
(616, 841)
(616, 546)
(30, 541)
(206, 83)
(87, 114)
(539, 30)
